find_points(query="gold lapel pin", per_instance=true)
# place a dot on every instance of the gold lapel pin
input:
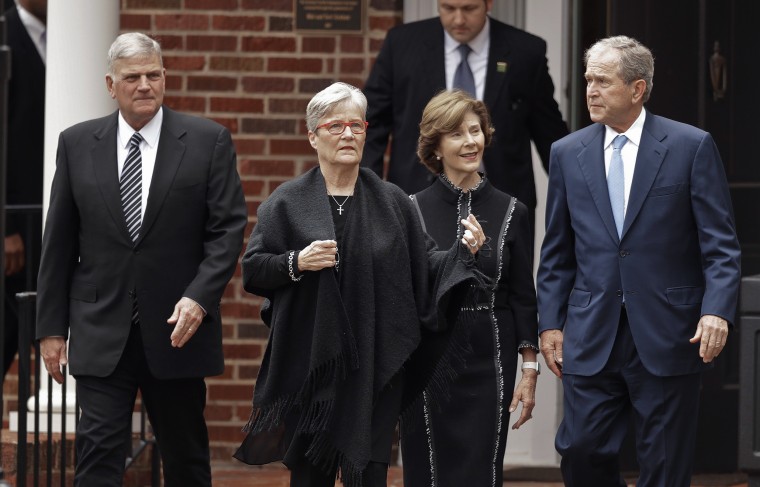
(501, 66)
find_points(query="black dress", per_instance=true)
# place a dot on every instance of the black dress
(463, 440)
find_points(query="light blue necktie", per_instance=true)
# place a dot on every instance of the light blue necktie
(616, 183)
(463, 78)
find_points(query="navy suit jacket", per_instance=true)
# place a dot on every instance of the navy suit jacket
(189, 244)
(410, 70)
(677, 259)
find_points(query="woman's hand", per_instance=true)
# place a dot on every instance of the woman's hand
(318, 255)
(525, 392)
(473, 237)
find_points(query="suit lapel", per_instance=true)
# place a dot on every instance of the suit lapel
(591, 162)
(648, 161)
(171, 149)
(497, 70)
(104, 161)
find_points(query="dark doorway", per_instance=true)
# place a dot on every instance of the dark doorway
(705, 75)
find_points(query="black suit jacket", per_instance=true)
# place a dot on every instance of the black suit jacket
(189, 243)
(26, 126)
(519, 93)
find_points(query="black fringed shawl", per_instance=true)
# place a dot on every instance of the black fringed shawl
(337, 339)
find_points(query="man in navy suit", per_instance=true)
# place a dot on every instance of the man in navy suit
(511, 77)
(639, 276)
(139, 300)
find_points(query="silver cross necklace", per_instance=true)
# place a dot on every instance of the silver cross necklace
(340, 205)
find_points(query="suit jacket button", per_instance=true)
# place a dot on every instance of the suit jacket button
(132, 294)
(619, 293)
(623, 253)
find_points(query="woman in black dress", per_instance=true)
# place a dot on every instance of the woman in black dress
(350, 281)
(463, 440)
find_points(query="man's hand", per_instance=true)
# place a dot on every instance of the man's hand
(14, 254)
(186, 318)
(712, 332)
(53, 351)
(551, 349)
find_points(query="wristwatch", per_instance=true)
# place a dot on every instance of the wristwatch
(532, 365)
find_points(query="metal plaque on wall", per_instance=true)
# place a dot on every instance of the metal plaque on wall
(329, 15)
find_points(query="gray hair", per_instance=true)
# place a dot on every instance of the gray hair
(332, 96)
(635, 59)
(132, 45)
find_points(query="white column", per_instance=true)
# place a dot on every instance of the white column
(79, 33)
(533, 443)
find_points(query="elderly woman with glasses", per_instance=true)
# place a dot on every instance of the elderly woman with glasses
(464, 439)
(352, 285)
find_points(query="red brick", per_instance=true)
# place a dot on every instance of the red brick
(352, 44)
(375, 45)
(311, 86)
(182, 22)
(170, 42)
(134, 22)
(249, 146)
(268, 126)
(248, 351)
(231, 392)
(268, 168)
(211, 83)
(351, 65)
(295, 65)
(253, 207)
(212, 4)
(256, 84)
(318, 44)
(240, 105)
(290, 147)
(186, 103)
(228, 433)
(280, 24)
(237, 63)
(238, 22)
(248, 371)
(278, 5)
(290, 105)
(253, 330)
(173, 82)
(269, 44)
(154, 4)
(211, 43)
(184, 63)
(253, 188)
(240, 310)
(217, 412)
(231, 123)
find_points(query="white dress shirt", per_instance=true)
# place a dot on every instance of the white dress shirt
(628, 153)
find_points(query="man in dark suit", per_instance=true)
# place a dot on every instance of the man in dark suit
(143, 233)
(26, 126)
(511, 76)
(639, 276)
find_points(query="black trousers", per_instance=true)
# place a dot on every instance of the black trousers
(174, 407)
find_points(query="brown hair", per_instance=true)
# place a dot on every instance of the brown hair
(443, 114)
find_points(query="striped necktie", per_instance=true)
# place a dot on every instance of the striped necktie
(131, 187)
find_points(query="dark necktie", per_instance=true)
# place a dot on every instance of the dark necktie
(131, 187)
(616, 183)
(463, 78)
